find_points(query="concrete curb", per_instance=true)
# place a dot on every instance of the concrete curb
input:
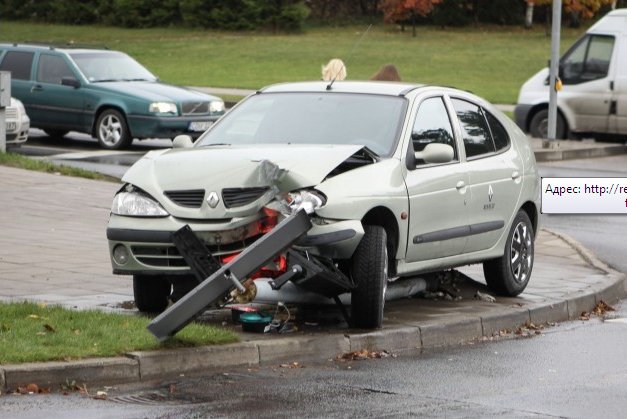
(549, 155)
(316, 347)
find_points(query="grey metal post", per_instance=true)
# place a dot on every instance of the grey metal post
(5, 100)
(553, 73)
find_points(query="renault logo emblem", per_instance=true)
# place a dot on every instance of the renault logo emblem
(213, 199)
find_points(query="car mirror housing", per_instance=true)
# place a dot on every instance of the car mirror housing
(436, 153)
(182, 141)
(70, 81)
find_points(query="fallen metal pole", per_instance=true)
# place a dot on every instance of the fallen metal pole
(220, 283)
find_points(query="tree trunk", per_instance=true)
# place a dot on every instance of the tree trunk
(529, 16)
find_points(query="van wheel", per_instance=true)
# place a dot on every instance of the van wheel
(539, 125)
(369, 269)
(509, 274)
(151, 293)
(112, 131)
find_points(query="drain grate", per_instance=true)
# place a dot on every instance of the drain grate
(146, 398)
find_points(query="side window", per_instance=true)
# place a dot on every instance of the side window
(499, 133)
(18, 63)
(52, 68)
(475, 131)
(432, 125)
(588, 60)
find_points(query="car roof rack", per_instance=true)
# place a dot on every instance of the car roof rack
(60, 45)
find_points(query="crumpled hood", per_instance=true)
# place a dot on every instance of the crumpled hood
(279, 167)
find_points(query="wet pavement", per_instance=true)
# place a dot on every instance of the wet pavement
(53, 249)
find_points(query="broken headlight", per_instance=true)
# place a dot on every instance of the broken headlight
(137, 204)
(291, 202)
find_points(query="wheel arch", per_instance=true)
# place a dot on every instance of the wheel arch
(532, 212)
(384, 217)
(545, 106)
(99, 112)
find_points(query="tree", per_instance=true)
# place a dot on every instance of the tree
(578, 9)
(406, 10)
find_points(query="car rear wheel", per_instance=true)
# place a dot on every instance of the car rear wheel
(539, 125)
(369, 269)
(151, 293)
(509, 274)
(56, 133)
(112, 131)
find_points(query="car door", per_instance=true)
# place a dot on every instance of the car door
(438, 193)
(52, 104)
(494, 170)
(618, 106)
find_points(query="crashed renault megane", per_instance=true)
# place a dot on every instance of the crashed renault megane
(397, 180)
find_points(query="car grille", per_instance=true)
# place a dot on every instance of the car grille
(238, 197)
(191, 198)
(232, 197)
(195, 108)
(169, 256)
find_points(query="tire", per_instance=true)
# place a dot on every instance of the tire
(369, 269)
(509, 275)
(151, 293)
(112, 130)
(539, 125)
(56, 133)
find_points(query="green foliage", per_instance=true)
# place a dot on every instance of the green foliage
(143, 13)
(452, 13)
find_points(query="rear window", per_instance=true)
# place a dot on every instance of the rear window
(18, 63)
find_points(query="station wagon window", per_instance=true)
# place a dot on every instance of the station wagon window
(475, 131)
(587, 60)
(432, 126)
(52, 68)
(19, 63)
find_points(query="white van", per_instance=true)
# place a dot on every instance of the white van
(593, 100)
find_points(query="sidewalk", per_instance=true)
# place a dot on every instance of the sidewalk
(53, 248)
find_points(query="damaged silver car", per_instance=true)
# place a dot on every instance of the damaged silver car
(397, 180)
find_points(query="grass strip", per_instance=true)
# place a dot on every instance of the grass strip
(31, 332)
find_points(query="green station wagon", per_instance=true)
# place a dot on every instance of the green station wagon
(104, 93)
(397, 180)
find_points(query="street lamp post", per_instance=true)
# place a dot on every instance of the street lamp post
(553, 74)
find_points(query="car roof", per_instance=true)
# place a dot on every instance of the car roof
(344, 86)
(73, 48)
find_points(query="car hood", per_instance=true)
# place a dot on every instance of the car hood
(275, 167)
(155, 91)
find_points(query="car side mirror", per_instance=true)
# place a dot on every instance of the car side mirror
(70, 81)
(182, 141)
(436, 153)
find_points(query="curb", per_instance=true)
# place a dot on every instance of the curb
(549, 155)
(316, 347)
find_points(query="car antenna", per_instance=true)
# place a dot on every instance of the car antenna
(349, 57)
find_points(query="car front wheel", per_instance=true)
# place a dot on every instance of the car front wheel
(369, 268)
(151, 293)
(509, 274)
(112, 131)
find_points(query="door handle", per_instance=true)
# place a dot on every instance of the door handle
(37, 88)
(460, 184)
(515, 174)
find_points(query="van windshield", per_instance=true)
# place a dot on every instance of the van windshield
(587, 60)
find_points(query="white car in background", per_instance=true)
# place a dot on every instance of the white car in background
(17, 124)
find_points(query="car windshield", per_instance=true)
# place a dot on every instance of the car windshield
(312, 118)
(111, 66)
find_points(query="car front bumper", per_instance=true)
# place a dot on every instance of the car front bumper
(147, 126)
(147, 247)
